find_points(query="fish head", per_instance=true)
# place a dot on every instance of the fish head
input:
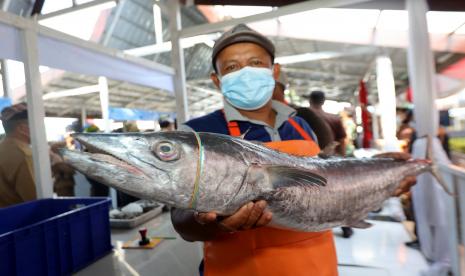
(160, 166)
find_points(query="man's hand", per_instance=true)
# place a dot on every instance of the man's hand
(405, 185)
(249, 216)
(408, 181)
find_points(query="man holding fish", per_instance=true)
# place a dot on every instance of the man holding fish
(242, 244)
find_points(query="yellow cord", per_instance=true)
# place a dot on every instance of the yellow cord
(195, 192)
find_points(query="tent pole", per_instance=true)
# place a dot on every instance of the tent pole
(177, 57)
(36, 114)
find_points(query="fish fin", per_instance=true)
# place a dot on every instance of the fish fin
(434, 169)
(429, 148)
(290, 176)
(361, 224)
(437, 175)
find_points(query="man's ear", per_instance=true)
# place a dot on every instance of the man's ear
(215, 79)
(276, 71)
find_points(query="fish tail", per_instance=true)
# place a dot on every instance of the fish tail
(434, 170)
(437, 175)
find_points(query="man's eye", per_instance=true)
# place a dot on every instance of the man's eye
(230, 68)
(256, 62)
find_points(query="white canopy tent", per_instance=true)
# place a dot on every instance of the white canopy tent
(62, 51)
(25, 40)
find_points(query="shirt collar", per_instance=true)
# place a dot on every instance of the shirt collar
(283, 113)
(24, 147)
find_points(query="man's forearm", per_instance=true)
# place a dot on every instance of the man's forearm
(189, 229)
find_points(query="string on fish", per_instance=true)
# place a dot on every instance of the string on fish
(195, 192)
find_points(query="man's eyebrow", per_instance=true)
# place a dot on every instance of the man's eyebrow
(260, 57)
(230, 60)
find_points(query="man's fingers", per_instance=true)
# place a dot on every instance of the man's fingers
(204, 218)
(411, 179)
(408, 182)
(248, 216)
(264, 219)
(405, 185)
(255, 214)
(398, 192)
(239, 218)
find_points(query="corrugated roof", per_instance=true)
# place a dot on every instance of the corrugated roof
(132, 27)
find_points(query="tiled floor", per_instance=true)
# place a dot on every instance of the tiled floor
(379, 251)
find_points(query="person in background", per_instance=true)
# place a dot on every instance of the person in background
(406, 132)
(351, 131)
(321, 129)
(130, 126)
(92, 128)
(62, 173)
(16, 170)
(317, 99)
(166, 124)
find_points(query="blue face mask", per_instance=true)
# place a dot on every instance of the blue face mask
(249, 88)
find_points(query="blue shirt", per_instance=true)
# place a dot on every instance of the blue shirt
(217, 122)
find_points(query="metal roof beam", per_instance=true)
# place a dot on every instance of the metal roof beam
(23, 23)
(307, 71)
(166, 46)
(282, 11)
(204, 90)
(71, 92)
(130, 104)
(93, 99)
(74, 8)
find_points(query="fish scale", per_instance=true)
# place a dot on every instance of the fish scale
(304, 194)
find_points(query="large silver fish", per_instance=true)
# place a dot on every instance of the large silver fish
(212, 172)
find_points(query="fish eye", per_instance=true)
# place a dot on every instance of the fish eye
(166, 151)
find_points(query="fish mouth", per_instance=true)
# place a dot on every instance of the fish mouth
(100, 155)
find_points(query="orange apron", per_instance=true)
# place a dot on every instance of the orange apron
(269, 251)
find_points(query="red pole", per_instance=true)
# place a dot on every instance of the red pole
(409, 95)
(366, 117)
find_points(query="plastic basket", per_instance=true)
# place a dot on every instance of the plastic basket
(53, 236)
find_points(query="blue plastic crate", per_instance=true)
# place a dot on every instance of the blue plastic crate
(53, 236)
